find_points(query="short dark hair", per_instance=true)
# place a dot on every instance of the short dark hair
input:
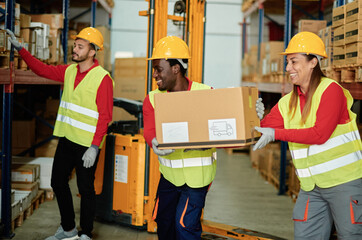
(175, 61)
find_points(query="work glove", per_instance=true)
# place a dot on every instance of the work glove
(268, 135)
(260, 108)
(13, 40)
(160, 152)
(89, 157)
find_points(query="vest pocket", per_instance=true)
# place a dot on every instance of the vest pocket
(356, 209)
(300, 212)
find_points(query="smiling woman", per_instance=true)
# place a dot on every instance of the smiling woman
(317, 122)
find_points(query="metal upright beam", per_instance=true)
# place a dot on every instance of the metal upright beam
(244, 39)
(6, 155)
(65, 29)
(283, 150)
(93, 15)
(261, 26)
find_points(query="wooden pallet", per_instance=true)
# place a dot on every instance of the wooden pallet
(346, 73)
(26, 213)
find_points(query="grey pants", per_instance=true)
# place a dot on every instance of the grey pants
(316, 211)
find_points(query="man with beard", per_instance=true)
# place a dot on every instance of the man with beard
(186, 174)
(84, 113)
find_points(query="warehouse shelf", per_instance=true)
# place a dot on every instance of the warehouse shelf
(24, 77)
(29, 78)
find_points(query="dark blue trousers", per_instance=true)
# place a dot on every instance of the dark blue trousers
(178, 211)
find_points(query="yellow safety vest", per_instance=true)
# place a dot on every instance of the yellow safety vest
(338, 160)
(194, 168)
(78, 113)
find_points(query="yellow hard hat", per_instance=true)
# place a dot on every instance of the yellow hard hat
(170, 47)
(306, 42)
(92, 35)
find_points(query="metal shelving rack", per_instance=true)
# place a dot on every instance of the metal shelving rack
(10, 77)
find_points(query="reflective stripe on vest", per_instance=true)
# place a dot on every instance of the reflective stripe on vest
(79, 109)
(188, 162)
(338, 160)
(77, 124)
(331, 143)
(330, 165)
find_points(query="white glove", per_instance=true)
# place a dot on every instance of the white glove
(260, 108)
(268, 135)
(13, 40)
(89, 157)
(160, 152)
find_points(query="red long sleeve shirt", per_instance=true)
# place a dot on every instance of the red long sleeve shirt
(332, 111)
(104, 99)
(149, 118)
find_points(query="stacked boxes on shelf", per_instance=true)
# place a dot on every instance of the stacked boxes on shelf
(338, 25)
(53, 24)
(5, 44)
(326, 35)
(353, 33)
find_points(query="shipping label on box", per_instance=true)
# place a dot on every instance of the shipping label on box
(338, 16)
(207, 118)
(353, 32)
(338, 56)
(352, 11)
(338, 36)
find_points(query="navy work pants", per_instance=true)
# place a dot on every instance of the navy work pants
(67, 157)
(178, 211)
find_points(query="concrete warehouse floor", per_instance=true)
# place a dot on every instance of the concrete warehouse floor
(239, 196)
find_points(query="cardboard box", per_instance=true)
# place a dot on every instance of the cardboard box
(207, 118)
(311, 25)
(25, 20)
(354, 53)
(328, 62)
(129, 78)
(353, 32)
(46, 165)
(338, 36)
(328, 37)
(338, 56)
(55, 21)
(3, 41)
(338, 16)
(352, 11)
(24, 173)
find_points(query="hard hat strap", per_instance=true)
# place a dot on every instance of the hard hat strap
(184, 65)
